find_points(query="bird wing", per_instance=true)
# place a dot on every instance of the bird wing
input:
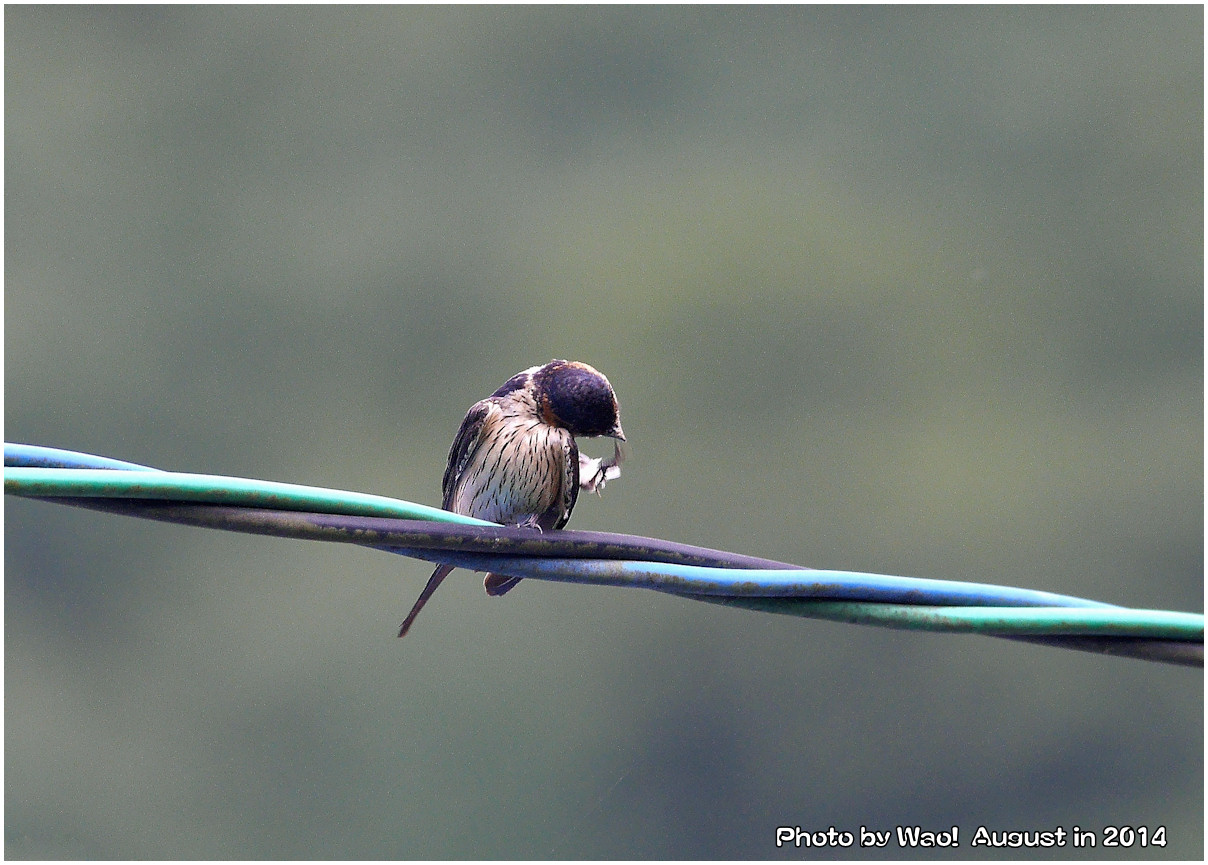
(569, 494)
(465, 443)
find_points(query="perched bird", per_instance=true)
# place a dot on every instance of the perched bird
(514, 459)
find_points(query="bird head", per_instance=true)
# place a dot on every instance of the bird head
(578, 397)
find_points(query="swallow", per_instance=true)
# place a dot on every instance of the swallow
(514, 459)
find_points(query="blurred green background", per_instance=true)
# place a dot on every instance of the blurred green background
(913, 291)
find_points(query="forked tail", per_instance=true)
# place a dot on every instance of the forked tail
(435, 580)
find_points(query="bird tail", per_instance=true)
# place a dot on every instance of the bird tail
(497, 584)
(434, 581)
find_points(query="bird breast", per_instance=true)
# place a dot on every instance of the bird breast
(517, 473)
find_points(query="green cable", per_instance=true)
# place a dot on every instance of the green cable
(217, 490)
(1046, 621)
(1104, 627)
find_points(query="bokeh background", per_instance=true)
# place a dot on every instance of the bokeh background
(912, 291)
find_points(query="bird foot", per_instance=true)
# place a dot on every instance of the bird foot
(594, 473)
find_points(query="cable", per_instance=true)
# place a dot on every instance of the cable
(698, 573)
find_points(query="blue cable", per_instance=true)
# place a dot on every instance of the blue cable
(755, 583)
(37, 456)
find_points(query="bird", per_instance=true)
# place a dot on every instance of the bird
(514, 459)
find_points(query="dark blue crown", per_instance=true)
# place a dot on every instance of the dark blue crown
(579, 398)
